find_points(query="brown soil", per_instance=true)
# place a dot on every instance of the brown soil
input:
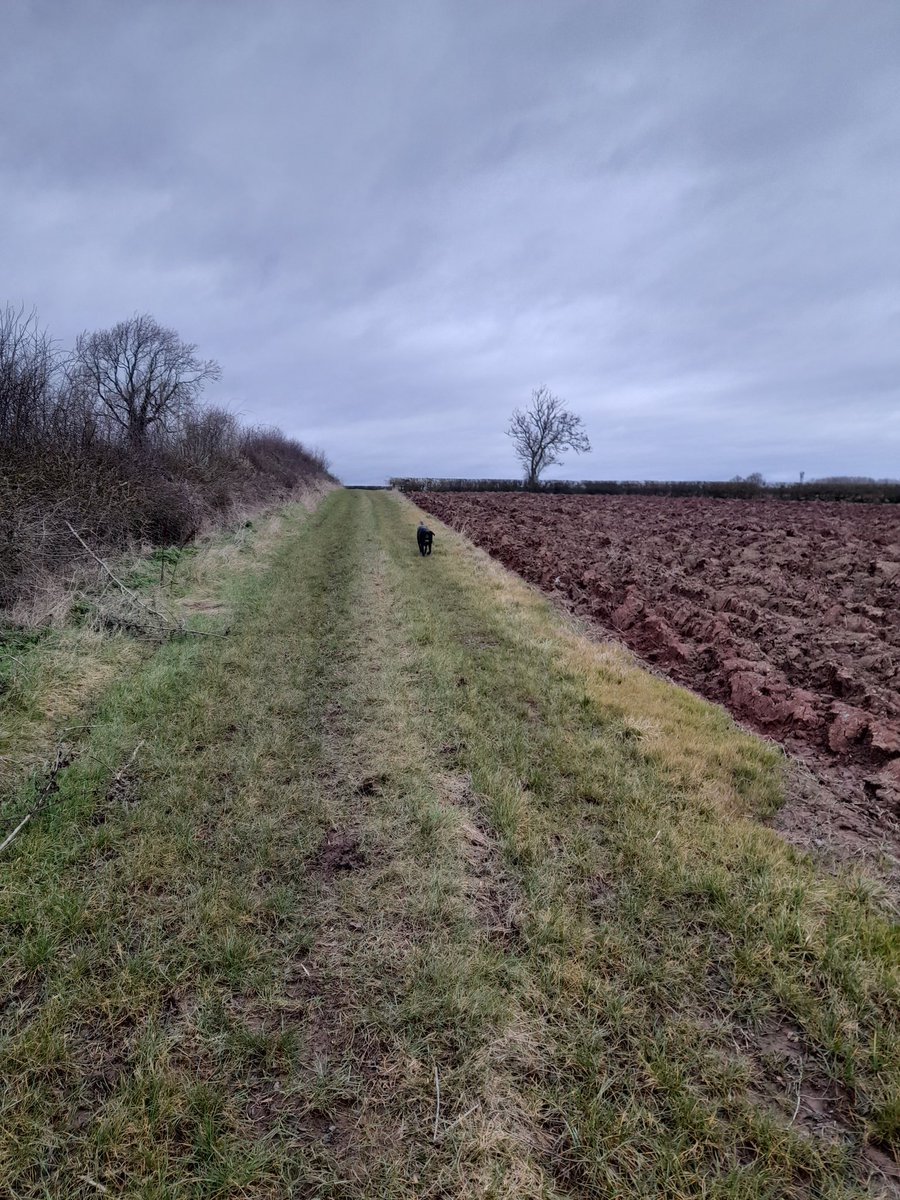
(339, 851)
(785, 613)
(788, 1078)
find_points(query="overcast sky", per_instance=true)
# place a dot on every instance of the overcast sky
(389, 221)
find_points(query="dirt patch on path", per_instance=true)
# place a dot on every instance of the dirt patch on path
(787, 614)
(791, 1082)
(339, 851)
(491, 893)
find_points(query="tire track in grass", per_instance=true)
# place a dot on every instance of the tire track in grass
(164, 1049)
(418, 949)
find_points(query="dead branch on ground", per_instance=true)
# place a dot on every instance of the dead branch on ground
(64, 757)
(155, 620)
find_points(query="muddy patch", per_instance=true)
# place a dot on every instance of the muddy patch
(121, 795)
(793, 1085)
(372, 785)
(841, 826)
(791, 1081)
(286, 1111)
(339, 851)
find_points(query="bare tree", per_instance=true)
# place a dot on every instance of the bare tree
(144, 377)
(28, 377)
(543, 431)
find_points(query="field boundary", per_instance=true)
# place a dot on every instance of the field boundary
(845, 772)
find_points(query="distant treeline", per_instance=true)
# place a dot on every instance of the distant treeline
(870, 491)
(112, 438)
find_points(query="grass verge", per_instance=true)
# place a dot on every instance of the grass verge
(410, 891)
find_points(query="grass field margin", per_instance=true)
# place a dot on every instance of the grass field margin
(406, 834)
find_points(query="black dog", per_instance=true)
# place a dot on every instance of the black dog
(424, 537)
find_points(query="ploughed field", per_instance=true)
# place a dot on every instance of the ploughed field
(786, 613)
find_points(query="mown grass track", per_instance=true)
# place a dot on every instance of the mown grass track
(408, 833)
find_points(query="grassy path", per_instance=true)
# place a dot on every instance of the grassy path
(410, 891)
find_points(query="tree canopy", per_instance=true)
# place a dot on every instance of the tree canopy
(142, 374)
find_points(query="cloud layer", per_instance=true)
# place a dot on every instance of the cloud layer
(389, 222)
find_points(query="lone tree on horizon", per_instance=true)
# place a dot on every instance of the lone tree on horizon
(541, 433)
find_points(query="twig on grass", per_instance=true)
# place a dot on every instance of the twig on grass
(141, 603)
(437, 1102)
(169, 623)
(119, 775)
(456, 1121)
(799, 1095)
(204, 632)
(165, 618)
(63, 758)
(105, 566)
(101, 1187)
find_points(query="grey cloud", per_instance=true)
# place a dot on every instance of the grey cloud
(389, 222)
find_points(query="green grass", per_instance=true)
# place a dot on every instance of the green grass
(407, 829)
(52, 677)
(165, 563)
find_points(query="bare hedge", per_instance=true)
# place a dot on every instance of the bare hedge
(65, 456)
(867, 491)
